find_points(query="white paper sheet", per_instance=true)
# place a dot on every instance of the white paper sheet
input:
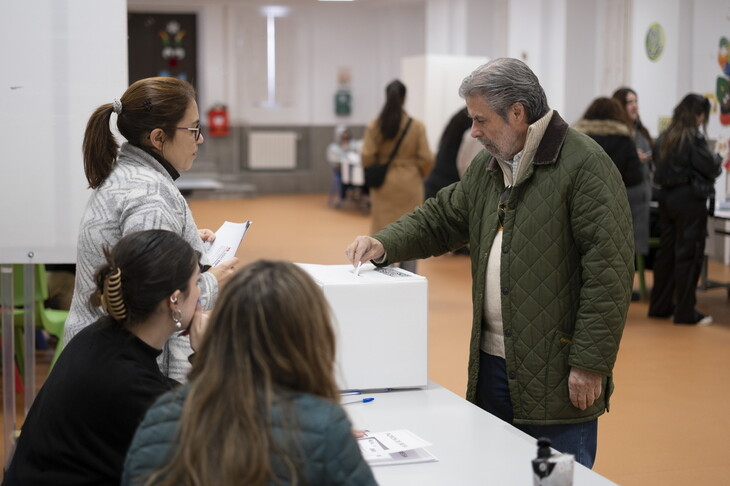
(394, 447)
(226, 243)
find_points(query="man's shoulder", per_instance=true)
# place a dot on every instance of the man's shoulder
(578, 147)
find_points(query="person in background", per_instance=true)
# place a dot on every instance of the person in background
(134, 190)
(445, 171)
(341, 153)
(605, 122)
(261, 406)
(640, 195)
(455, 153)
(686, 171)
(545, 213)
(403, 188)
(81, 423)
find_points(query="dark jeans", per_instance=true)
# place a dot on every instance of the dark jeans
(683, 220)
(581, 440)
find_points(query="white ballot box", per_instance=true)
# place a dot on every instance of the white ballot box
(381, 321)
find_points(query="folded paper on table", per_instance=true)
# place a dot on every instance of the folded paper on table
(226, 243)
(394, 447)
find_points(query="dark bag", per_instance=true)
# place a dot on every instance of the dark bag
(702, 187)
(375, 174)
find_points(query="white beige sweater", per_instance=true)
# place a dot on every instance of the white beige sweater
(139, 194)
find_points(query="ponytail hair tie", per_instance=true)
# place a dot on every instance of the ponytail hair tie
(111, 300)
(117, 106)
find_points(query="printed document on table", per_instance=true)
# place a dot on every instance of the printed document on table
(394, 447)
(227, 239)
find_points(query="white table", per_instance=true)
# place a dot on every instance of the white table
(705, 282)
(473, 446)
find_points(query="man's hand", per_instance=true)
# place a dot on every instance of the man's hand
(364, 249)
(584, 387)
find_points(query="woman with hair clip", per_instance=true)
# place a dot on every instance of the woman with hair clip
(686, 171)
(261, 406)
(403, 188)
(84, 417)
(134, 190)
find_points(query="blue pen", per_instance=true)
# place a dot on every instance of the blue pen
(359, 400)
(350, 392)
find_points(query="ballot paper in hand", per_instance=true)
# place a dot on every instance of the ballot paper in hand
(227, 239)
(394, 447)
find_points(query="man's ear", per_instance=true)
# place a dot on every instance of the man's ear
(517, 111)
(157, 138)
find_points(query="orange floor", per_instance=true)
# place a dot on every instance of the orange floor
(667, 424)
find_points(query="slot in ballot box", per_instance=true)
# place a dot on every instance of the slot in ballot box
(381, 322)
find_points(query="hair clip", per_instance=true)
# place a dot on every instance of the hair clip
(147, 104)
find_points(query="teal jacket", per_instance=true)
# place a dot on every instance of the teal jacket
(331, 453)
(567, 264)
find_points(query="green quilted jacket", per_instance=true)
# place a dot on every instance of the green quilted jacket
(567, 266)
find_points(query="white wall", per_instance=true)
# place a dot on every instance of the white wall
(313, 42)
(710, 22)
(656, 82)
(433, 89)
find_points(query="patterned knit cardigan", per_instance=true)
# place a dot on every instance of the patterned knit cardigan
(139, 194)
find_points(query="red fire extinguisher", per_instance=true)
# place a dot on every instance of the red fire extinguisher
(218, 121)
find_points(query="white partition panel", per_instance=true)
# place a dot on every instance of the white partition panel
(433, 84)
(60, 60)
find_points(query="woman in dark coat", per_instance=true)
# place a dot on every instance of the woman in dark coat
(445, 171)
(686, 171)
(604, 121)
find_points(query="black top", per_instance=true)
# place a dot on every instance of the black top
(692, 158)
(444, 170)
(83, 419)
(622, 151)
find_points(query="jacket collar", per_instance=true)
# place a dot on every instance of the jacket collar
(549, 148)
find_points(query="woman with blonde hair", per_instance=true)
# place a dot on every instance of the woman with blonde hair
(261, 405)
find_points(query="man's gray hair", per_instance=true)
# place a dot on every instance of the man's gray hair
(503, 82)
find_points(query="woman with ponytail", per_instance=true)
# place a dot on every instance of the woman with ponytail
(686, 170)
(403, 188)
(134, 190)
(83, 419)
(261, 405)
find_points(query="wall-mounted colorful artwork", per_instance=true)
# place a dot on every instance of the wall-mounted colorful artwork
(162, 45)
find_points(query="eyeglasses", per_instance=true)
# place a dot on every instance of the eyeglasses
(197, 130)
(502, 205)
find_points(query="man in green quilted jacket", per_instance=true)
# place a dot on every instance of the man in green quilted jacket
(546, 216)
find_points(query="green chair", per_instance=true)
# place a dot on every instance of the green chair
(18, 319)
(641, 266)
(52, 320)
